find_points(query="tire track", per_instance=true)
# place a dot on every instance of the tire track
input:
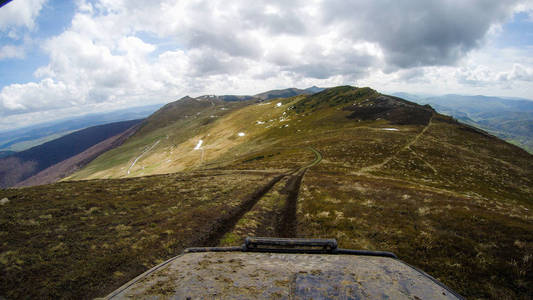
(287, 226)
(226, 223)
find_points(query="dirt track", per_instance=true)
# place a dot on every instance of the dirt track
(286, 223)
(223, 225)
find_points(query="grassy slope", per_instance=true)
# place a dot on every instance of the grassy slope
(442, 196)
(74, 163)
(218, 126)
(84, 239)
(468, 223)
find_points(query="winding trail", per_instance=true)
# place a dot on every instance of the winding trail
(424, 161)
(406, 147)
(318, 158)
(421, 187)
(140, 155)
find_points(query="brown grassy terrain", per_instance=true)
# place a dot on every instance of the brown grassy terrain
(263, 219)
(468, 223)
(394, 176)
(480, 248)
(443, 196)
(83, 239)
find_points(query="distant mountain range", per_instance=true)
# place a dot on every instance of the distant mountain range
(272, 94)
(286, 93)
(6, 153)
(27, 137)
(509, 119)
(22, 165)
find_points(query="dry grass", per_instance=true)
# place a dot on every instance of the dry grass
(83, 239)
(470, 224)
(454, 202)
(262, 220)
(461, 242)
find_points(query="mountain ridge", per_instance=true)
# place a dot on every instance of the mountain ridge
(374, 171)
(22, 165)
(379, 107)
(21, 139)
(68, 166)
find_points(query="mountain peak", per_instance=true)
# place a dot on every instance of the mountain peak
(187, 98)
(314, 89)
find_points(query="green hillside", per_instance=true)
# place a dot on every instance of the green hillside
(373, 171)
(509, 119)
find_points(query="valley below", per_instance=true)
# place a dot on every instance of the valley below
(375, 172)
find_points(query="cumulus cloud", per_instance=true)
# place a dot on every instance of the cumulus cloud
(36, 96)
(20, 14)
(413, 75)
(418, 32)
(11, 51)
(519, 72)
(316, 61)
(135, 52)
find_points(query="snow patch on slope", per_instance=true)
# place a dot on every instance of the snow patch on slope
(199, 145)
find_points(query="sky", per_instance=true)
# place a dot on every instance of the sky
(62, 58)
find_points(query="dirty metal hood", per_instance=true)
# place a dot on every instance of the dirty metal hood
(248, 275)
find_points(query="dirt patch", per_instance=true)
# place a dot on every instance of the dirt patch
(223, 225)
(287, 226)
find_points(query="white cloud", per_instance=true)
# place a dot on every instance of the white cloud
(418, 32)
(525, 6)
(29, 97)
(487, 71)
(20, 14)
(519, 72)
(11, 51)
